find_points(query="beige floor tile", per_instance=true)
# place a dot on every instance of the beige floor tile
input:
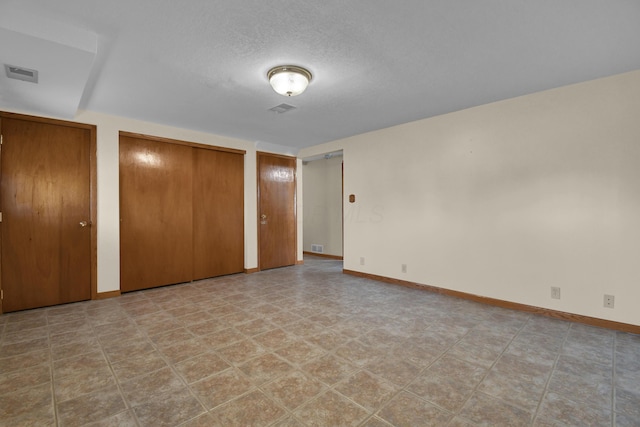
(255, 327)
(184, 350)
(172, 337)
(331, 409)
(558, 410)
(289, 421)
(122, 350)
(82, 382)
(123, 419)
(512, 390)
(300, 352)
(201, 366)
(205, 328)
(168, 409)
(293, 389)
(409, 410)
(367, 390)
(265, 368)
(523, 369)
(22, 402)
(447, 392)
(222, 338)
(475, 353)
(275, 339)
(242, 351)
(144, 388)
(91, 407)
(596, 392)
(221, 388)
(70, 350)
(328, 340)
(398, 371)
(487, 410)
(20, 379)
(80, 364)
(23, 347)
(459, 370)
(376, 422)
(145, 363)
(628, 403)
(329, 369)
(253, 409)
(360, 354)
(23, 361)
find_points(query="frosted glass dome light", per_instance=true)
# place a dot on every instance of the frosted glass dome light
(289, 80)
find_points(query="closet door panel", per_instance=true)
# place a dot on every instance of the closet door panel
(156, 217)
(218, 213)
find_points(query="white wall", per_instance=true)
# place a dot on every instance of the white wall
(322, 196)
(108, 128)
(507, 199)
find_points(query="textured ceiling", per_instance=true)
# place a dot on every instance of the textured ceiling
(202, 64)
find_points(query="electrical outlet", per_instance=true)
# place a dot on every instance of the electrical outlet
(404, 268)
(555, 292)
(609, 300)
(361, 260)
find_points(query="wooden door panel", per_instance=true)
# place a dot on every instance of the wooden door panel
(218, 213)
(45, 195)
(156, 222)
(277, 210)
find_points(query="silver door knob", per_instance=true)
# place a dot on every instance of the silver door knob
(263, 216)
(83, 223)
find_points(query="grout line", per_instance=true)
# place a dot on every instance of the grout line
(113, 373)
(54, 401)
(553, 369)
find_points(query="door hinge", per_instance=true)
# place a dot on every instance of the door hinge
(0, 216)
(1, 294)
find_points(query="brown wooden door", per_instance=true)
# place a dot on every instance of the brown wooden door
(45, 198)
(156, 218)
(276, 210)
(218, 213)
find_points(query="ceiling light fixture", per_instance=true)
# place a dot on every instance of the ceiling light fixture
(289, 80)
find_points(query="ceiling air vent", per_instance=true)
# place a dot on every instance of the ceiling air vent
(21, 73)
(282, 108)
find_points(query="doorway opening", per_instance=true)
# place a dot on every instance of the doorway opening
(322, 189)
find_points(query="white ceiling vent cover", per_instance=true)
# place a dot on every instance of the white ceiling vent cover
(21, 73)
(282, 108)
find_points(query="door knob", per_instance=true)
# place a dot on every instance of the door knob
(83, 223)
(263, 216)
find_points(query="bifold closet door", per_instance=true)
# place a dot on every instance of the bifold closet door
(156, 214)
(218, 213)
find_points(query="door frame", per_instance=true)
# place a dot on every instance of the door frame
(93, 188)
(295, 204)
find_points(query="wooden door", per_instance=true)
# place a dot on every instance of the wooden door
(218, 213)
(156, 218)
(45, 197)
(276, 210)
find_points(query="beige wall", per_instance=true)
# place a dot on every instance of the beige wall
(322, 204)
(507, 199)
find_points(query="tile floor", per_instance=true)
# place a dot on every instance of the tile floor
(309, 346)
